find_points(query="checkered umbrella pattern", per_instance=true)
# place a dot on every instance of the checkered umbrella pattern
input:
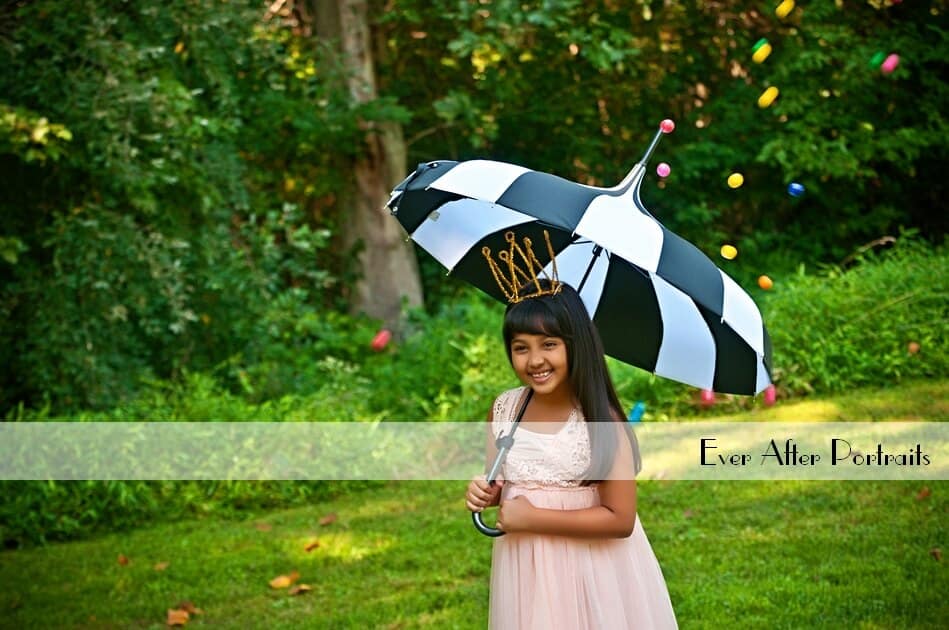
(658, 302)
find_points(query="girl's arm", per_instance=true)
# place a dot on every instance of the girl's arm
(480, 495)
(615, 517)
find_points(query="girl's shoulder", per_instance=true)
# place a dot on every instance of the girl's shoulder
(505, 405)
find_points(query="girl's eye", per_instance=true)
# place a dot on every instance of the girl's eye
(518, 349)
(550, 344)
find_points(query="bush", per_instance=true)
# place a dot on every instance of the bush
(39, 512)
(36, 512)
(843, 328)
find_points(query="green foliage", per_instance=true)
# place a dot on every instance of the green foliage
(176, 166)
(30, 136)
(39, 512)
(578, 89)
(184, 189)
(848, 327)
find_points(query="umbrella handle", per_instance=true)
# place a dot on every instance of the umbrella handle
(504, 444)
(493, 532)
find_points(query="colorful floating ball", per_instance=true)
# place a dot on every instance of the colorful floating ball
(735, 180)
(912, 347)
(728, 252)
(770, 395)
(784, 8)
(767, 97)
(636, 413)
(761, 51)
(889, 64)
(707, 397)
(877, 59)
(795, 189)
(381, 340)
(667, 125)
(663, 170)
(765, 282)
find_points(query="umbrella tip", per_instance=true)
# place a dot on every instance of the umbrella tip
(667, 125)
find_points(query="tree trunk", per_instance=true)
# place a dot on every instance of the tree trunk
(388, 269)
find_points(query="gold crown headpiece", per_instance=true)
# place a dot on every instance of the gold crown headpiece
(514, 278)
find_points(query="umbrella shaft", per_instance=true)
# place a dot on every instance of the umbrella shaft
(652, 147)
(493, 474)
(586, 274)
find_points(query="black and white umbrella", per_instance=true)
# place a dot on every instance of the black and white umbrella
(658, 302)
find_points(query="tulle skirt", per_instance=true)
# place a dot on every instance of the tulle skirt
(561, 583)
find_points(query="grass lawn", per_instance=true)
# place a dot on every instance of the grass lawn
(739, 554)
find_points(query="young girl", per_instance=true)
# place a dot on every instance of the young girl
(574, 554)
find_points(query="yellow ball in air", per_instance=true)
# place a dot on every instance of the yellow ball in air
(729, 252)
(762, 53)
(735, 180)
(784, 8)
(767, 97)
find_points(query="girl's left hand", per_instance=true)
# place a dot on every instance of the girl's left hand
(514, 514)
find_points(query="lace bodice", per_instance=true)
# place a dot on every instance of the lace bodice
(539, 459)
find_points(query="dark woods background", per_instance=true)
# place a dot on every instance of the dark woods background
(177, 177)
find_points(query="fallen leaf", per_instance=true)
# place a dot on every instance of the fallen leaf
(123, 560)
(189, 608)
(936, 553)
(264, 527)
(329, 518)
(161, 566)
(925, 492)
(310, 546)
(177, 617)
(283, 581)
(300, 588)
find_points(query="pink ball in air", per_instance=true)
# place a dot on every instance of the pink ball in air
(663, 170)
(770, 395)
(381, 340)
(667, 125)
(707, 397)
(889, 64)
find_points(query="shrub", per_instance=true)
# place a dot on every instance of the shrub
(842, 328)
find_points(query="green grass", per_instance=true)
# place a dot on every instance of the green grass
(740, 554)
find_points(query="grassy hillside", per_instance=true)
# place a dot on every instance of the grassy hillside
(759, 554)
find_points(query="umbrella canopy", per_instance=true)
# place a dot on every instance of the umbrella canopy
(658, 302)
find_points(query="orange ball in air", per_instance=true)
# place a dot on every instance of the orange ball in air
(765, 282)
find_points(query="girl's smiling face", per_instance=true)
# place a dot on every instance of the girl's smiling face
(540, 361)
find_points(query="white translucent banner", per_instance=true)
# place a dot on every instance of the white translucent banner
(456, 450)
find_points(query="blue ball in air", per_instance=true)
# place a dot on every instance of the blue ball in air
(795, 189)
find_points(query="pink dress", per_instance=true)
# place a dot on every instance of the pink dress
(557, 582)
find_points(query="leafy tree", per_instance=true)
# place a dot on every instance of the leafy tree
(578, 88)
(169, 161)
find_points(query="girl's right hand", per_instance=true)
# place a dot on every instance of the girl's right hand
(480, 495)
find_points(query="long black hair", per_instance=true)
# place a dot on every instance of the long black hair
(564, 315)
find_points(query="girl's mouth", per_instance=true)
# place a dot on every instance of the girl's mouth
(540, 377)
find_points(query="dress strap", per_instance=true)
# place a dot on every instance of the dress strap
(506, 407)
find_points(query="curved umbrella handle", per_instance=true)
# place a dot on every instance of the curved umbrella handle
(493, 532)
(504, 444)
